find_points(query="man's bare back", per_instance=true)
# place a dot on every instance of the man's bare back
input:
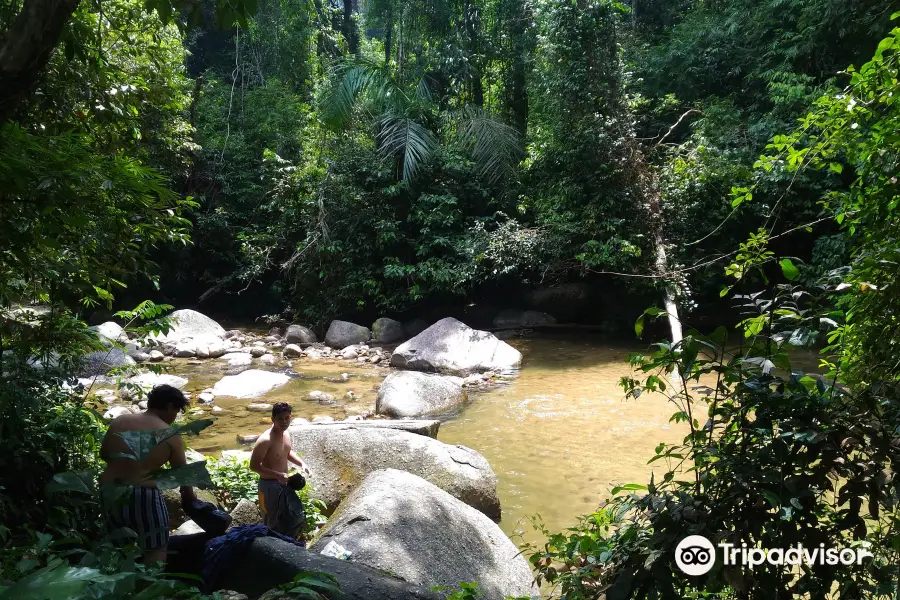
(125, 470)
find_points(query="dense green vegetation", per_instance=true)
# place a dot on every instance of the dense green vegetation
(339, 160)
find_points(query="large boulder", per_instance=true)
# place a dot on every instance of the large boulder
(188, 323)
(419, 426)
(414, 394)
(343, 333)
(245, 513)
(238, 359)
(340, 458)
(150, 380)
(454, 348)
(210, 346)
(522, 318)
(300, 335)
(387, 330)
(249, 384)
(399, 522)
(110, 332)
(271, 562)
(99, 363)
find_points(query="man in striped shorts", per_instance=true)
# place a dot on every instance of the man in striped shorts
(143, 509)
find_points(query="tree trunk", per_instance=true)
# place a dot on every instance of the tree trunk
(27, 48)
(350, 33)
(388, 38)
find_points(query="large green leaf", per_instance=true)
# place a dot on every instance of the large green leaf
(193, 474)
(83, 482)
(142, 442)
(60, 583)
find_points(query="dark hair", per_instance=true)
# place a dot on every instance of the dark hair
(281, 407)
(162, 396)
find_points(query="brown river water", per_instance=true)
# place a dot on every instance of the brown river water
(559, 435)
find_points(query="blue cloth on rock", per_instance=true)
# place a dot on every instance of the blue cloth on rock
(223, 552)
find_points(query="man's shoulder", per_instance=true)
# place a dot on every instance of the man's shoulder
(265, 436)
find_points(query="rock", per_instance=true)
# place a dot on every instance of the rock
(268, 359)
(350, 396)
(257, 351)
(251, 438)
(217, 409)
(185, 349)
(168, 359)
(276, 332)
(238, 359)
(414, 394)
(260, 407)
(206, 398)
(172, 499)
(110, 332)
(415, 327)
(188, 323)
(139, 356)
(452, 347)
(142, 405)
(210, 346)
(569, 301)
(229, 595)
(375, 358)
(522, 318)
(245, 513)
(249, 384)
(427, 428)
(349, 353)
(340, 457)
(193, 456)
(320, 397)
(156, 356)
(292, 351)
(239, 455)
(188, 528)
(116, 412)
(231, 333)
(298, 334)
(387, 330)
(343, 333)
(395, 520)
(150, 380)
(271, 339)
(323, 419)
(281, 561)
(167, 349)
(99, 363)
(234, 348)
(474, 380)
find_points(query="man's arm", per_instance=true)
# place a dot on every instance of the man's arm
(256, 461)
(295, 458)
(177, 458)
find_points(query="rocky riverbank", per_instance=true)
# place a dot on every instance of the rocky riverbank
(354, 461)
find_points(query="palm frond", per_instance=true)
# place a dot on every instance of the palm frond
(351, 80)
(495, 147)
(400, 135)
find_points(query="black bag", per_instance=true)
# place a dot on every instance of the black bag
(296, 482)
(208, 517)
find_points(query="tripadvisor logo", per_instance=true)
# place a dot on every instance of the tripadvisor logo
(696, 555)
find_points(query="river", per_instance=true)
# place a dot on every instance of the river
(559, 434)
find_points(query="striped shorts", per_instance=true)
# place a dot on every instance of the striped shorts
(144, 512)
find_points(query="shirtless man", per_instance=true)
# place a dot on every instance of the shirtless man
(270, 458)
(144, 510)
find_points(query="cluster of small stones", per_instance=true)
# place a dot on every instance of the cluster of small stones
(358, 353)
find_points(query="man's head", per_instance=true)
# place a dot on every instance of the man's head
(167, 402)
(281, 415)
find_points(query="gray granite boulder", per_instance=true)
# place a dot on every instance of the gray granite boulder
(280, 561)
(452, 347)
(415, 394)
(387, 330)
(343, 333)
(300, 335)
(249, 384)
(399, 522)
(339, 458)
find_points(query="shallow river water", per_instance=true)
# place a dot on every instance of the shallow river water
(559, 435)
